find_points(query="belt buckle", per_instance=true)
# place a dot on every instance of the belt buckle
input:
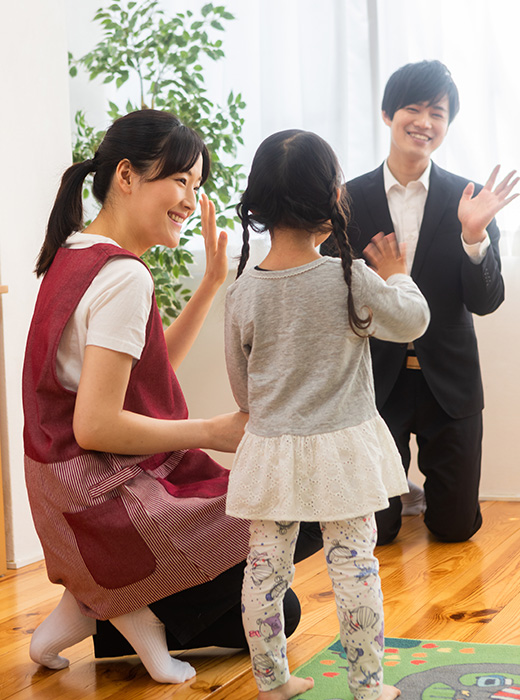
(412, 362)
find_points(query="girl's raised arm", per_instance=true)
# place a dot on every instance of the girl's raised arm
(181, 335)
(100, 423)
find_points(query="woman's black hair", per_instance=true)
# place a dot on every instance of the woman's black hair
(157, 145)
(425, 81)
(294, 182)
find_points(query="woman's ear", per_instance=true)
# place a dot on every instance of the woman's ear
(124, 176)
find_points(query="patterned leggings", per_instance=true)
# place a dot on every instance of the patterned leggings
(354, 572)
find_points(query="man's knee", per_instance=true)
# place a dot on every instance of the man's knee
(446, 530)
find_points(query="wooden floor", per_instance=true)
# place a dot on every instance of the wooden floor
(467, 592)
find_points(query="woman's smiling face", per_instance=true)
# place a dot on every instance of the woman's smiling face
(161, 207)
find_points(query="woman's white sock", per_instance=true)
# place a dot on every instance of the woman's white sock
(63, 628)
(147, 634)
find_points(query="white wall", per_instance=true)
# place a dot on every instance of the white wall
(35, 143)
(499, 340)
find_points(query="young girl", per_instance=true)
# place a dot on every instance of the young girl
(315, 448)
(127, 510)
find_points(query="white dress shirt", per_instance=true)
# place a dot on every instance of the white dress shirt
(406, 205)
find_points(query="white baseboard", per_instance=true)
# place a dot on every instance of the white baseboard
(20, 563)
(495, 497)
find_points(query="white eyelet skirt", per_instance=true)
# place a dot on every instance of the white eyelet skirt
(329, 476)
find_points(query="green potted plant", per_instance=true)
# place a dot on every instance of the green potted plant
(165, 53)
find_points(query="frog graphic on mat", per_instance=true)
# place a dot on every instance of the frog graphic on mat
(493, 681)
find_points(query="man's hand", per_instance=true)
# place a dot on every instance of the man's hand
(476, 213)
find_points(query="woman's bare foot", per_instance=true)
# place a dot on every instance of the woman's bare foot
(294, 686)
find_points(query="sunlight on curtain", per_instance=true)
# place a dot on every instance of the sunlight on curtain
(301, 64)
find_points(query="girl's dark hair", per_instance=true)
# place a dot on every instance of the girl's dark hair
(294, 182)
(157, 145)
(425, 81)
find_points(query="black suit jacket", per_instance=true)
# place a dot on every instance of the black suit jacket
(453, 286)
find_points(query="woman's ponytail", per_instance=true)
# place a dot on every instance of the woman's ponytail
(66, 215)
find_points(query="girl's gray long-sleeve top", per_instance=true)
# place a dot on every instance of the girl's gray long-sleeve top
(293, 361)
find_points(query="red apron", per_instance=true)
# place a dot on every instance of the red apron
(118, 531)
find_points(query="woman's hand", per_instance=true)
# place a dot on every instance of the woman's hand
(181, 335)
(476, 213)
(385, 256)
(226, 431)
(216, 255)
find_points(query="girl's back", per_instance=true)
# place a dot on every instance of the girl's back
(293, 359)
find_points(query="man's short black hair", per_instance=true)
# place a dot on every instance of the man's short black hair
(425, 81)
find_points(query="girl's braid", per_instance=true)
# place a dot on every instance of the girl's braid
(339, 229)
(244, 254)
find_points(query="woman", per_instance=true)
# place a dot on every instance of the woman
(128, 509)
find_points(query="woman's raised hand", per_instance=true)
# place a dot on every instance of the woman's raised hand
(216, 255)
(183, 331)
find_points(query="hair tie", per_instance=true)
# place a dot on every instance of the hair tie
(91, 164)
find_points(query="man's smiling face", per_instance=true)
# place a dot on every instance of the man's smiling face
(418, 129)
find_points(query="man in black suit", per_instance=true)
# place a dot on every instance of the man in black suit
(432, 388)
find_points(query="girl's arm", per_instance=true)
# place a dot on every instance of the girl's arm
(181, 335)
(400, 313)
(100, 423)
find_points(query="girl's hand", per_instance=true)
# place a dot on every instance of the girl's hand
(216, 255)
(385, 256)
(476, 213)
(226, 431)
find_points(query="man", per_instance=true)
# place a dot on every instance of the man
(432, 388)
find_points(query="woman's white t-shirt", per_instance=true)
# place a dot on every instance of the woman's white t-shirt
(112, 313)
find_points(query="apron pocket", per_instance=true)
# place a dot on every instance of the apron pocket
(113, 550)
